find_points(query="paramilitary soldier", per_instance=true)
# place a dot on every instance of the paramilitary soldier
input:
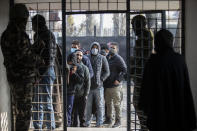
(142, 50)
(45, 46)
(20, 62)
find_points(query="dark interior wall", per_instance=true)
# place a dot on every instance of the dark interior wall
(191, 46)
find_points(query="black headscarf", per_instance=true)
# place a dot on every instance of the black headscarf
(163, 41)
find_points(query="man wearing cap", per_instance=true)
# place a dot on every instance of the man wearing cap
(20, 62)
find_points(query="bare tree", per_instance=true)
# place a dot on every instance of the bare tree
(122, 20)
(101, 25)
(116, 24)
(89, 24)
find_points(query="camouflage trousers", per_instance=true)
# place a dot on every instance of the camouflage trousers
(136, 94)
(21, 106)
(113, 100)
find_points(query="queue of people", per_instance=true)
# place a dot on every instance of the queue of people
(90, 94)
(34, 65)
(162, 95)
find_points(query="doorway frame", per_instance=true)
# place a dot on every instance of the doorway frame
(128, 46)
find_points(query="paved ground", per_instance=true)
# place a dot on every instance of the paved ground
(123, 120)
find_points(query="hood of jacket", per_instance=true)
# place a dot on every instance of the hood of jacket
(96, 43)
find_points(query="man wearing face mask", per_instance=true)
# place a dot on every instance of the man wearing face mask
(86, 61)
(113, 85)
(82, 91)
(104, 52)
(101, 72)
(104, 49)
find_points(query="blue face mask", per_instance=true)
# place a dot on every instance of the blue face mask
(73, 50)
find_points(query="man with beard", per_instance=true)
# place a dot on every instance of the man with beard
(82, 91)
(76, 45)
(74, 79)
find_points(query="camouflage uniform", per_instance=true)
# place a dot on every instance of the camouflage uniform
(20, 63)
(142, 50)
(45, 47)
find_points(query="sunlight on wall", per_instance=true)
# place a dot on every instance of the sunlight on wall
(4, 121)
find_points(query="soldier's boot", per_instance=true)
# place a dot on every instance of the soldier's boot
(117, 123)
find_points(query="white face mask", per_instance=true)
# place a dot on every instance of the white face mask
(94, 51)
(112, 51)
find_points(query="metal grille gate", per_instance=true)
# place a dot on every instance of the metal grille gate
(141, 49)
(159, 10)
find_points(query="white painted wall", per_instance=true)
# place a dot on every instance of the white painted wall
(191, 44)
(5, 122)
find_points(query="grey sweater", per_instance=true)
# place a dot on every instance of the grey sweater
(83, 88)
(100, 68)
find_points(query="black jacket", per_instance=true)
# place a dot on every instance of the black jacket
(75, 79)
(86, 62)
(165, 95)
(83, 88)
(118, 70)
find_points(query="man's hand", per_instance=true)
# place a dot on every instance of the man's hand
(85, 98)
(116, 82)
(73, 69)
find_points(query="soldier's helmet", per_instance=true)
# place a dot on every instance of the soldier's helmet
(19, 11)
(139, 21)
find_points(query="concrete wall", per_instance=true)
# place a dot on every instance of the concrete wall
(191, 44)
(4, 88)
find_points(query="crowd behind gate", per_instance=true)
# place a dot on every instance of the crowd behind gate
(162, 96)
